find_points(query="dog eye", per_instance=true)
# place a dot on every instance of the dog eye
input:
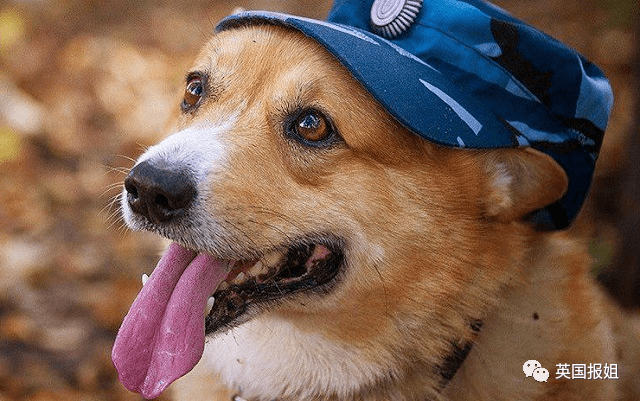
(193, 92)
(311, 126)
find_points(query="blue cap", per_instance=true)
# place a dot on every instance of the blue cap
(466, 74)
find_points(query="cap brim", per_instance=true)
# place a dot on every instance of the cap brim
(416, 94)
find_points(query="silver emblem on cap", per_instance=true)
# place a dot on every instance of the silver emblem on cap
(390, 18)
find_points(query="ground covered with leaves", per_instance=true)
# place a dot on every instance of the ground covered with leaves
(85, 86)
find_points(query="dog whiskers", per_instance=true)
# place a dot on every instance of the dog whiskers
(113, 210)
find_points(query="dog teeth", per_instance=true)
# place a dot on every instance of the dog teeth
(271, 259)
(223, 286)
(210, 302)
(145, 278)
(239, 279)
(257, 269)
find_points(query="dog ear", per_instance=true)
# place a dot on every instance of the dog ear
(521, 181)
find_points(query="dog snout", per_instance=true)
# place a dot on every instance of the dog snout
(159, 194)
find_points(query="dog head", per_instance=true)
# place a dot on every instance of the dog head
(318, 208)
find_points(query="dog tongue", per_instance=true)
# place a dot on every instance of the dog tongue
(162, 336)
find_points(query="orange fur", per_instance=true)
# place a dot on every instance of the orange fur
(434, 239)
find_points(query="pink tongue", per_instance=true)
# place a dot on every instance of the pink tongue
(162, 336)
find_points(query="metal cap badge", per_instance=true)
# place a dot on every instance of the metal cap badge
(390, 18)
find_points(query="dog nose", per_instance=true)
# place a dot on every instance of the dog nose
(159, 194)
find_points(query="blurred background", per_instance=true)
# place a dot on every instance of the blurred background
(86, 85)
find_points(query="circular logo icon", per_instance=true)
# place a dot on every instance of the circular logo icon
(541, 375)
(529, 366)
(390, 18)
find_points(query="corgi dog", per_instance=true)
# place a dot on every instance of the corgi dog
(323, 251)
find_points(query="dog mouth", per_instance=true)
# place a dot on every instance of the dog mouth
(278, 274)
(162, 337)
